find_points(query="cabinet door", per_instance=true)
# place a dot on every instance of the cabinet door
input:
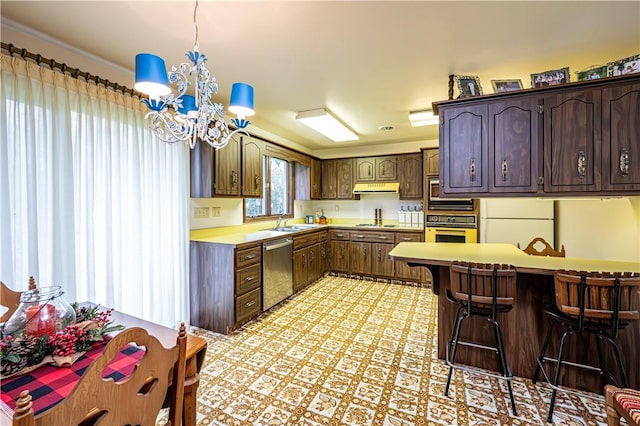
(323, 258)
(227, 169)
(365, 169)
(514, 145)
(410, 176)
(251, 168)
(572, 141)
(360, 256)
(463, 142)
(329, 179)
(316, 182)
(621, 138)
(340, 256)
(386, 169)
(299, 269)
(345, 179)
(431, 160)
(313, 266)
(381, 265)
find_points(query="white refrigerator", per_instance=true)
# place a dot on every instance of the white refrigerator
(516, 220)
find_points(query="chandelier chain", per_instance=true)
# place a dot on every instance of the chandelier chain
(196, 45)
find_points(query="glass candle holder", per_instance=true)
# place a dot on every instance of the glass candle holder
(42, 311)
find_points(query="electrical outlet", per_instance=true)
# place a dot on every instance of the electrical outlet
(215, 211)
(200, 212)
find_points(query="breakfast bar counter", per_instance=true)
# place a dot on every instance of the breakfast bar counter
(525, 325)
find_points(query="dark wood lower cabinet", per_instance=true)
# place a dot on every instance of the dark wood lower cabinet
(299, 269)
(339, 257)
(310, 260)
(360, 255)
(381, 265)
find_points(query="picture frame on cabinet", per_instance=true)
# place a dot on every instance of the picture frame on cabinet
(468, 85)
(593, 73)
(550, 78)
(500, 86)
(630, 65)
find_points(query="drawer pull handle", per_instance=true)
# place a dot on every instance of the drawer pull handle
(624, 162)
(339, 235)
(407, 239)
(250, 278)
(250, 304)
(384, 238)
(249, 256)
(359, 236)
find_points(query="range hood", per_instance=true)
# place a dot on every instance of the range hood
(376, 187)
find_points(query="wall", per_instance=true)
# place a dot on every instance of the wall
(606, 228)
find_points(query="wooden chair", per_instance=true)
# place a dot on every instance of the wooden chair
(135, 400)
(623, 403)
(11, 299)
(546, 250)
(481, 290)
(599, 304)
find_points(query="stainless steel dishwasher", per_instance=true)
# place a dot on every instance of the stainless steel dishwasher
(277, 274)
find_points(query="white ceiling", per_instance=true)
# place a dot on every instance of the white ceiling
(368, 62)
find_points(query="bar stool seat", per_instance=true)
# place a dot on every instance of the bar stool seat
(599, 304)
(481, 290)
(623, 403)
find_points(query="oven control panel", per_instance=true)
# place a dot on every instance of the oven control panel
(451, 221)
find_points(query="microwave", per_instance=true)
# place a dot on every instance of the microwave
(435, 202)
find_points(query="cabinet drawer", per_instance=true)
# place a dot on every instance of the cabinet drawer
(305, 240)
(248, 305)
(248, 256)
(323, 235)
(403, 237)
(248, 279)
(375, 237)
(339, 235)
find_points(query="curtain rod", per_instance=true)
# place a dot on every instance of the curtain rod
(65, 69)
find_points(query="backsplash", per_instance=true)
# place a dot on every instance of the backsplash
(230, 209)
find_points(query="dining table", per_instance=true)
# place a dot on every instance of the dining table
(196, 352)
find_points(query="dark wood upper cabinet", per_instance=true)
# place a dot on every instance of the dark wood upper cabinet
(621, 137)
(252, 163)
(410, 176)
(514, 145)
(464, 149)
(316, 180)
(329, 179)
(344, 169)
(376, 169)
(227, 169)
(571, 139)
(431, 160)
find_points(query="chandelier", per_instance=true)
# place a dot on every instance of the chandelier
(185, 117)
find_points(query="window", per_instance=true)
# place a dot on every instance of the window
(276, 191)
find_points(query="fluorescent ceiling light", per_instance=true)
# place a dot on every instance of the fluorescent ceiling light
(422, 118)
(323, 122)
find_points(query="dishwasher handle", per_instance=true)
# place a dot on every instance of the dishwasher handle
(277, 244)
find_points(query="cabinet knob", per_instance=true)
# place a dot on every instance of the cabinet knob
(582, 164)
(625, 162)
(505, 169)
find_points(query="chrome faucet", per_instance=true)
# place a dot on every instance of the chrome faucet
(285, 222)
(278, 221)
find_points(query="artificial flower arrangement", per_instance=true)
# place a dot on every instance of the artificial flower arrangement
(23, 352)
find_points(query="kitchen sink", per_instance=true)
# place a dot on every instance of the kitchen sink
(293, 228)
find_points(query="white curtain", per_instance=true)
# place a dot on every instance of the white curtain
(89, 199)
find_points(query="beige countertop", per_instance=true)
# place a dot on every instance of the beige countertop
(253, 233)
(444, 253)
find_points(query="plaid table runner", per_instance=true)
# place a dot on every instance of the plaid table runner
(48, 385)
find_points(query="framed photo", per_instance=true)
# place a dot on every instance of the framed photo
(469, 86)
(550, 78)
(624, 66)
(593, 73)
(506, 85)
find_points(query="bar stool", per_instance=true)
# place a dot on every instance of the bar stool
(600, 304)
(481, 290)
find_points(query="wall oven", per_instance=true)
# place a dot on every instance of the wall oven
(435, 202)
(451, 229)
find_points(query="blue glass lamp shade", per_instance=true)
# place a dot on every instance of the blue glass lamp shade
(151, 75)
(241, 103)
(188, 104)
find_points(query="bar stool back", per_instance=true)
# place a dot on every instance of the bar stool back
(594, 303)
(481, 290)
